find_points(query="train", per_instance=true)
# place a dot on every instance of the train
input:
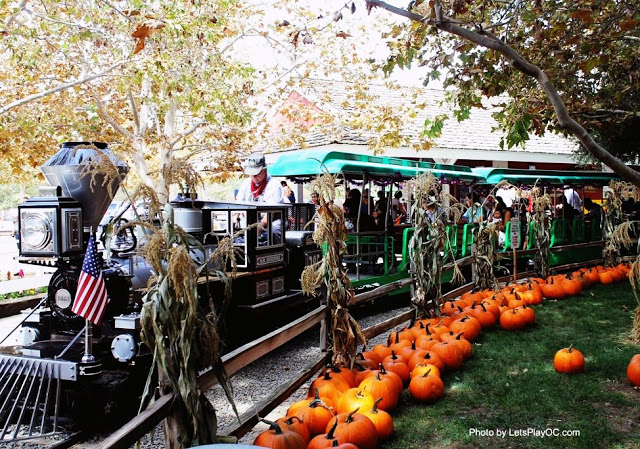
(47, 376)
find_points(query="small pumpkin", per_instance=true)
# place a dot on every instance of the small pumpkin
(355, 428)
(633, 370)
(426, 388)
(449, 354)
(568, 360)
(277, 438)
(385, 389)
(355, 398)
(381, 419)
(296, 425)
(315, 415)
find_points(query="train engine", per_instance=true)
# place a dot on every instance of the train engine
(47, 375)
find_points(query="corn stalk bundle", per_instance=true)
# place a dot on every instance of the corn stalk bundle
(428, 242)
(616, 230)
(541, 205)
(485, 256)
(182, 333)
(331, 233)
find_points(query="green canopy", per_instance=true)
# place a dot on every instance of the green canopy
(354, 166)
(553, 177)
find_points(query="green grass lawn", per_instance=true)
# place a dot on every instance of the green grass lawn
(510, 386)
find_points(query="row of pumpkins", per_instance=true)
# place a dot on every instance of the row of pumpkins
(349, 408)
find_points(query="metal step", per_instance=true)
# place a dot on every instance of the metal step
(30, 391)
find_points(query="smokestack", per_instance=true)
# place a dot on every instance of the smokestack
(65, 169)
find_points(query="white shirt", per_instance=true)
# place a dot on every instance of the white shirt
(573, 199)
(272, 193)
(508, 195)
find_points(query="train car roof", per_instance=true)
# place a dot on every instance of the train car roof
(310, 163)
(224, 205)
(552, 177)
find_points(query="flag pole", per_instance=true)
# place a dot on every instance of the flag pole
(88, 336)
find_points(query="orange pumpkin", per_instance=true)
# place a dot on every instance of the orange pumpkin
(633, 370)
(450, 355)
(384, 389)
(420, 370)
(275, 437)
(296, 425)
(355, 398)
(315, 415)
(568, 360)
(426, 388)
(468, 325)
(355, 428)
(553, 290)
(381, 419)
(512, 319)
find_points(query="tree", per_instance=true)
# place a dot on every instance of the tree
(504, 48)
(153, 80)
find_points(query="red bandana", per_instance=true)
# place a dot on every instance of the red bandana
(256, 190)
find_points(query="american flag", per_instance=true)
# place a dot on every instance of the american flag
(91, 297)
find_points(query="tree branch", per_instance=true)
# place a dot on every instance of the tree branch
(59, 88)
(518, 62)
(12, 17)
(102, 112)
(187, 132)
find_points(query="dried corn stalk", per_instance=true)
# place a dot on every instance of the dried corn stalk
(429, 241)
(181, 333)
(330, 233)
(634, 279)
(485, 256)
(540, 216)
(616, 229)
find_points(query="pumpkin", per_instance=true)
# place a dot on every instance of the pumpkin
(426, 388)
(325, 440)
(381, 420)
(606, 277)
(468, 325)
(553, 290)
(571, 286)
(344, 373)
(367, 361)
(633, 370)
(388, 375)
(464, 346)
(315, 415)
(277, 438)
(385, 389)
(528, 314)
(450, 355)
(355, 398)
(420, 370)
(355, 428)
(397, 365)
(293, 408)
(296, 425)
(361, 371)
(513, 319)
(568, 360)
(382, 350)
(329, 387)
(429, 357)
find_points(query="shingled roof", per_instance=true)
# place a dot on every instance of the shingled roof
(477, 134)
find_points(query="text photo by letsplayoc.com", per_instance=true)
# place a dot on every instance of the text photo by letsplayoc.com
(527, 432)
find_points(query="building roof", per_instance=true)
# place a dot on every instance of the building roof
(474, 138)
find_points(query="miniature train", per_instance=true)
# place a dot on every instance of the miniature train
(47, 375)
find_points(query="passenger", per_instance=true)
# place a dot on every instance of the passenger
(568, 212)
(496, 220)
(433, 212)
(315, 199)
(350, 207)
(489, 206)
(473, 214)
(287, 192)
(260, 187)
(573, 199)
(398, 211)
(594, 210)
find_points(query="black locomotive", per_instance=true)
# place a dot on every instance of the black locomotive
(48, 374)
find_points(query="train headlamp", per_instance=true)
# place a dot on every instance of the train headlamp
(37, 230)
